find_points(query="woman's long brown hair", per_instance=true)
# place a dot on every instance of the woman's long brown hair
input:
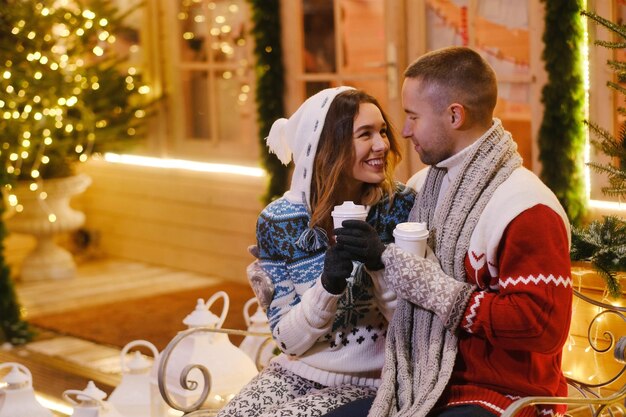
(335, 157)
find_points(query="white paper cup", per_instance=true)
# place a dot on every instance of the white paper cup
(411, 236)
(348, 211)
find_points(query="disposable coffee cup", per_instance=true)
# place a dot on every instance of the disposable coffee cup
(411, 236)
(348, 211)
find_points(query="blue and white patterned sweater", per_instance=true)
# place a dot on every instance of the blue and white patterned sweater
(326, 338)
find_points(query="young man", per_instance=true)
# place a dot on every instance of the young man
(483, 319)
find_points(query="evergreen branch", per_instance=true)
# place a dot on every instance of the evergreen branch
(614, 27)
(616, 86)
(617, 65)
(603, 244)
(610, 277)
(608, 169)
(614, 191)
(598, 130)
(611, 45)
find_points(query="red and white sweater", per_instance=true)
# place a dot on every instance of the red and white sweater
(516, 323)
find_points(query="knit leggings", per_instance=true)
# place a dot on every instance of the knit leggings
(277, 392)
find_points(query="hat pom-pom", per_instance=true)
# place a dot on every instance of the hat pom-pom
(277, 141)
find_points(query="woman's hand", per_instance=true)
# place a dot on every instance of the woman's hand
(361, 242)
(337, 268)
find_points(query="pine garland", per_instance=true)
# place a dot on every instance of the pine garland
(270, 87)
(561, 135)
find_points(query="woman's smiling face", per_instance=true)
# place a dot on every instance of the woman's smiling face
(370, 144)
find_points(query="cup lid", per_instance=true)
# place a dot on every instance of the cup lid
(411, 230)
(348, 208)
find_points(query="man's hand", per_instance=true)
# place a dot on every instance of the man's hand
(337, 267)
(361, 242)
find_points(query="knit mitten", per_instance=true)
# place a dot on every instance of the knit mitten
(337, 268)
(422, 282)
(360, 240)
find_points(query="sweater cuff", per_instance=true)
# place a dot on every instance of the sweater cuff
(457, 310)
(385, 295)
(320, 305)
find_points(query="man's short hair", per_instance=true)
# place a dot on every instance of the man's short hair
(457, 75)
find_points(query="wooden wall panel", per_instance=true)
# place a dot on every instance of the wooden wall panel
(201, 222)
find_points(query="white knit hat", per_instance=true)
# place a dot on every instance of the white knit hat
(299, 136)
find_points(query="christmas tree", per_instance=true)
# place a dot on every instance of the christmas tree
(66, 91)
(603, 242)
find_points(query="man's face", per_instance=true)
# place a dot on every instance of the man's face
(426, 127)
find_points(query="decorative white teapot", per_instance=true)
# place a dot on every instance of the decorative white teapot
(137, 394)
(17, 398)
(259, 348)
(229, 368)
(90, 402)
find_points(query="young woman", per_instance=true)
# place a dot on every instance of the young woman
(327, 315)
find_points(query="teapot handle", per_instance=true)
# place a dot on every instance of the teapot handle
(129, 346)
(215, 297)
(246, 310)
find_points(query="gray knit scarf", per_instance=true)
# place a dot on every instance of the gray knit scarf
(420, 351)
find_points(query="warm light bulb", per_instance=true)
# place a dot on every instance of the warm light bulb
(52, 218)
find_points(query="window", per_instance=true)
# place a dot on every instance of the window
(204, 55)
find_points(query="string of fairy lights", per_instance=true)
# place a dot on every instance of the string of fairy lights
(50, 106)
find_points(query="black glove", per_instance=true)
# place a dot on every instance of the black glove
(361, 242)
(337, 267)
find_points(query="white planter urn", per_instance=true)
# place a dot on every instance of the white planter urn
(47, 213)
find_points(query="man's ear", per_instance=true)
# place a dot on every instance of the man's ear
(457, 115)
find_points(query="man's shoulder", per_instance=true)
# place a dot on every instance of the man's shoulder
(417, 180)
(519, 192)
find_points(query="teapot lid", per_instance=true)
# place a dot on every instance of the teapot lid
(16, 379)
(201, 316)
(138, 363)
(91, 393)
